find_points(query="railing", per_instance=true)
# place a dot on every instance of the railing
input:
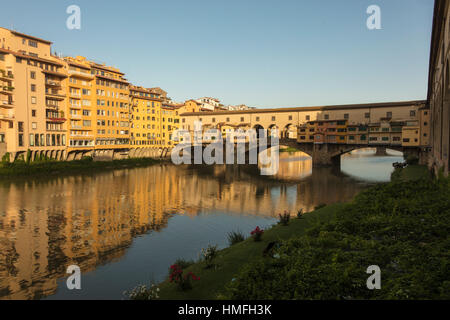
(81, 73)
(7, 102)
(7, 116)
(52, 83)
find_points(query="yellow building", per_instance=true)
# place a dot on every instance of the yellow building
(411, 134)
(170, 121)
(80, 104)
(145, 117)
(111, 124)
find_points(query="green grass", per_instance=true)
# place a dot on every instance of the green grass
(289, 149)
(230, 260)
(51, 167)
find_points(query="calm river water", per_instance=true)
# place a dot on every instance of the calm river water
(126, 227)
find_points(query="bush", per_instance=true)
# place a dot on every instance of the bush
(401, 227)
(412, 160)
(208, 255)
(235, 237)
(141, 292)
(284, 218)
(257, 234)
(183, 263)
(183, 281)
(300, 214)
(320, 206)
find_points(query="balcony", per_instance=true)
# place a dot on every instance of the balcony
(7, 90)
(74, 106)
(7, 115)
(56, 118)
(81, 74)
(75, 116)
(81, 135)
(6, 103)
(55, 95)
(53, 83)
(75, 95)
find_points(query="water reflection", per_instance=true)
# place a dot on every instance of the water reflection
(121, 227)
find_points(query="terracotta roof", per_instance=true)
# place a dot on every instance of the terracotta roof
(30, 37)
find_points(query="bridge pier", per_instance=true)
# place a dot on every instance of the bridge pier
(322, 156)
(381, 151)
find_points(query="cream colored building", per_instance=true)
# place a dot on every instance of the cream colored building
(289, 120)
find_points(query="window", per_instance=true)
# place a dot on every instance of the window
(326, 117)
(33, 113)
(242, 119)
(273, 118)
(213, 119)
(346, 115)
(257, 118)
(308, 117)
(290, 117)
(389, 114)
(367, 115)
(34, 125)
(33, 74)
(33, 100)
(33, 88)
(228, 119)
(32, 43)
(412, 113)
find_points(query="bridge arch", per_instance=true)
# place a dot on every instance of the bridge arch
(271, 129)
(289, 131)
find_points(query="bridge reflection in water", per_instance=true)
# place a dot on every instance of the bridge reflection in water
(111, 224)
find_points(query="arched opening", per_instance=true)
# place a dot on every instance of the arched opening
(272, 130)
(289, 132)
(370, 163)
(260, 133)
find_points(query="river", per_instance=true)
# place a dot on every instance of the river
(126, 227)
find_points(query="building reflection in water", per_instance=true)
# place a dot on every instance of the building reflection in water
(90, 220)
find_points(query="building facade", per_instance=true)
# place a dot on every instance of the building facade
(32, 109)
(439, 89)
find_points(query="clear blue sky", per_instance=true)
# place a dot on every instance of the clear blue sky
(260, 53)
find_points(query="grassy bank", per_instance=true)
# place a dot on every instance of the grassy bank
(289, 149)
(49, 167)
(400, 226)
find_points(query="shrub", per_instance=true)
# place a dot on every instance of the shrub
(284, 218)
(235, 237)
(5, 158)
(141, 292)
(257, 234)
(183, 281)
(320, 206)
(300, 214)
(412, 160)
(183, 263)
(208, 255)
